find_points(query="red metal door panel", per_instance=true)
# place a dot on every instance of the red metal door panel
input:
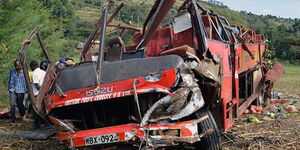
(223, 50)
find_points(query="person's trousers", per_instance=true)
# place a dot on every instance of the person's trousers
(13, 104)
(20, 103)
(17, 98)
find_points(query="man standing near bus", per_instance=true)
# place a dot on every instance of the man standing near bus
(37, 80)
(17, 90)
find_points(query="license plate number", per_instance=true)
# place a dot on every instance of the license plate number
(101, 139)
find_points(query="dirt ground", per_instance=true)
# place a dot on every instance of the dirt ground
(277, 134)
(268, 134)
(17, 143)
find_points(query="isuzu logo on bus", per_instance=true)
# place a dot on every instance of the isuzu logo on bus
(97, 91)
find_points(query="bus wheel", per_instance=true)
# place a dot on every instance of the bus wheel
(211, 141)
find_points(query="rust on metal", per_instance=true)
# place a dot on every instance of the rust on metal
(37, 103)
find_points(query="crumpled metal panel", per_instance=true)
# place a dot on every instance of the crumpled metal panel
(210, 67)
(275, 73)
(196, 101)
(180, 94)
(177, 103)
(60, 125)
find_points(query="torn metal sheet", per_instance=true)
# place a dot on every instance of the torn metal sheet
(152, 142)
(172, 137)
(61, 126)
(209, 69)
(167, 100)
(196, 102)
(177, 103)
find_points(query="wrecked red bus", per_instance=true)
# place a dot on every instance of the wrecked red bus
(176, 85)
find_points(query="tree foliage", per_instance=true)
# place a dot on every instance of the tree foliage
(55, 19)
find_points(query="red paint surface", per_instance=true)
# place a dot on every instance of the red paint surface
(168, 80)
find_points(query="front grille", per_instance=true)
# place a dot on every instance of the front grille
(105, 113)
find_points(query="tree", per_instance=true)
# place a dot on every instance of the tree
(64, 11)
(296, 27)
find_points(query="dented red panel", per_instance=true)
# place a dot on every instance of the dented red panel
(164, 39)
(187, 35)
(160, 41)
(128, 132)
(244, 60)
(112, 90)
(223, 50)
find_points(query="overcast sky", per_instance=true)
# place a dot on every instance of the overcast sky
(282, 8)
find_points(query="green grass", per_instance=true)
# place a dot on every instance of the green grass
(90, 15)
(289, 83)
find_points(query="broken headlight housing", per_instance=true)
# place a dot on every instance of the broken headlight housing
(153, 77)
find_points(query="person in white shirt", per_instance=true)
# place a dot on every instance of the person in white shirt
(37, 81)
(37, 77)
